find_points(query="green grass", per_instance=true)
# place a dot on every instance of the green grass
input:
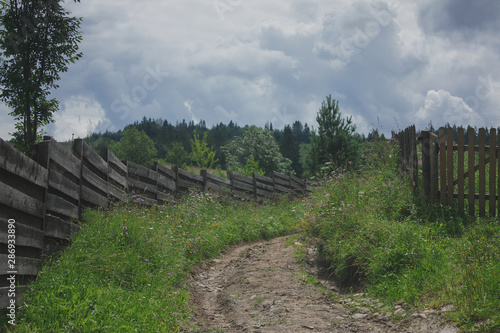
(126, 271)
(377, 237)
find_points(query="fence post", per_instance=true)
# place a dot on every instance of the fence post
(426, 164)
(434, 179)
(482, 172)
(414, 158)
(472, 177)
(230, 177)
(492, 180)
(442, 166)
(460, 171)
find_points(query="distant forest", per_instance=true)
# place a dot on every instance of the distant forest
(165, 134)
(293, 140)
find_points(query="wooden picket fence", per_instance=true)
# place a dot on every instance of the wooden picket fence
(46, 196)
(454, 173)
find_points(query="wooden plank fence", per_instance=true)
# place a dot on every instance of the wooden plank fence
(42, 199)
(465, 176)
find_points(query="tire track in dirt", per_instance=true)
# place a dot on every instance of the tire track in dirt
(258, 287)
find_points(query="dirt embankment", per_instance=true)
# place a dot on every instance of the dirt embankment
(261, 287)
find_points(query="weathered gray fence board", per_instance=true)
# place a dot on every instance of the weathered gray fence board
(241, 178)
(20, 201)
(82, 150)
(92, 197)
(282, 182)
(135, 170)
(24, 266)
(215, 183)
(184, 184)
(263, 193)
(262, 186)
(190, 176)
(25, 235)
(58, 182)
(94, 180)
(57, 228)
(166, 183)
(217, 179)
(63, 157)
(141, 186)
(117, 177)
(5, 299)
(243, 186)
(297, 184)
(19, 164)
(263, 179)
(59, 205)
(281, 188)
(116, 193)
(116, 163)
(164, 171)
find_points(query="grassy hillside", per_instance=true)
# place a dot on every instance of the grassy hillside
(377, 237)
(127, 269)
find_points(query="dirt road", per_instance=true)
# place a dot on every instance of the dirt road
(261, 287)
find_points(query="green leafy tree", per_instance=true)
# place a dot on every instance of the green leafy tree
(258, 144)
(38, 41)
(135, 146)
(251, 166)
(177, 155)
(201, 154)
(335, 144)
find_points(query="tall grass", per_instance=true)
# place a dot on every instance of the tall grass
(377, 237)
(127, 269)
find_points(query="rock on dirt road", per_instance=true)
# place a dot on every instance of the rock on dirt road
(260, 287)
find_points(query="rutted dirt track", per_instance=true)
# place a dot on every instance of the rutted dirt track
(259, 287)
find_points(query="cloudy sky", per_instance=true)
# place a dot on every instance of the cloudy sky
(390, 64)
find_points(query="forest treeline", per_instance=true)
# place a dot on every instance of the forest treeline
(173, 141)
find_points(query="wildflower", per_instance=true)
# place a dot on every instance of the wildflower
(125, 227)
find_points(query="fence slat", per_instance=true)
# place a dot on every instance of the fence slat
(57, 228)
(24, 266)
(442, 166)
(60, 206)
(482, 172)
(498, 166)
(492, 180)
(414, 158)
(25, 235)
(426, 164)
(460, 169)
(19, 164)
(434, 174)
(470, 170)
(20, 201)
(449, 165)
(62, 184)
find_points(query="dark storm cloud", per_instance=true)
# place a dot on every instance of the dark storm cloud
(464, 16)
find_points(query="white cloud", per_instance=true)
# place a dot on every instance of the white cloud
(442, 107)
(79, 116)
